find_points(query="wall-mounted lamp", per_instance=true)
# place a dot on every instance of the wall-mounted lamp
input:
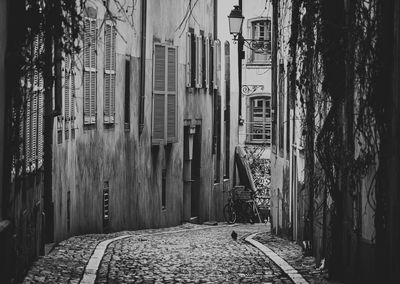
(235, 28)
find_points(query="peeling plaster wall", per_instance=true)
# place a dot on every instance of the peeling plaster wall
(130, 164)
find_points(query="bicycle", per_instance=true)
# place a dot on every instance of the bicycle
(245, 209)
(229, 209)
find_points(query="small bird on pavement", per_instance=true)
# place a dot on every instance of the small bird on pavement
(234, 235)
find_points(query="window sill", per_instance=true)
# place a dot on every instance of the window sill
(257, 143)
(254, 65)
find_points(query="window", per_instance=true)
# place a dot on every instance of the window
(164, 94)
(199, 62)
(261, 30)
(127, 115)
(69, 97)
(28, 116)
(89, 70)
(191, 59)
(281, 107)
(259, 128)
(109, 72)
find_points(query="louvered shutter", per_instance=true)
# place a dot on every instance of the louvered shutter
(188, 59)
(86, 73)
(159, 94)
(217, 51)
(67, 94)
(109, 72)
(211, 66)
(172, 95)
(40, 119)
(90, 67)
(199, 62)
(207, 62)
(73, 94)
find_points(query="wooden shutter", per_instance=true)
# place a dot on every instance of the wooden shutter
(67, 93)
(188, 59)
(159, 94)
(172, 95)
(199, 62)
(109, 72)
(90, 68)
(211, 67)
(207, 63)
(215, 63)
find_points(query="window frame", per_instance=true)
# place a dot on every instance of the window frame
(267, 121)
(250, 30)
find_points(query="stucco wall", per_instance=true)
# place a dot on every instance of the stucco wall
(129, 163)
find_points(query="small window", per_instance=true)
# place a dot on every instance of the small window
(261, 31)
(259, 128)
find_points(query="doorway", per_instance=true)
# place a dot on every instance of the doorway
(195, 173)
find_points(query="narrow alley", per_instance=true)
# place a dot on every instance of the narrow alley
(184, 254)
(199, 141)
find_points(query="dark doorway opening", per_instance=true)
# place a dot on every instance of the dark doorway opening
(195, 170)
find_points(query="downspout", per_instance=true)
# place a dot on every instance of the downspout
(240, 57)
(142, 65)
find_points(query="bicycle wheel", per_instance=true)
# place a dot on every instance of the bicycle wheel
(229, 214)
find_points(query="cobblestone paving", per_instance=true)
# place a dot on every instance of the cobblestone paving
(202, 256)
(292, 253)
(66, 262)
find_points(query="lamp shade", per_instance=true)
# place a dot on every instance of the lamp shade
(235, 21)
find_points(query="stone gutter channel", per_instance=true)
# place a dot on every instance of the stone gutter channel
(90, 273)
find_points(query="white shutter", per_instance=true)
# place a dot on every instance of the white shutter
(188, 59)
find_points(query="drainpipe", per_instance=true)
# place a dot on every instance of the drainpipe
(142, 65)
(240, 57)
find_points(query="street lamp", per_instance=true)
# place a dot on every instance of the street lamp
(235, 21)
(235, 28)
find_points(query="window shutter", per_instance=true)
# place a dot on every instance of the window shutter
(199, 62)
(159, 118)
(40, 119)
(193, 60)
(172, 95)
(159, 89)
(203, 61)
(215, 63)
(207, 63)
(211, 67)
(67, 93)
(188, 59)
(109, 72)
(90, 66)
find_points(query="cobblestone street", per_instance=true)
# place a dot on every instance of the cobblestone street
(184, 254)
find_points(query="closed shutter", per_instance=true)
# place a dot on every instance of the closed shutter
(199, 62)
(67, 94)
(211, 67)
(207, 62)
(164, 94)
(90, 67)
(172, 95)
(159, 93)
(73, 94)
(188, 60)
(40, 119)
(109, 72)
(217, 60)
